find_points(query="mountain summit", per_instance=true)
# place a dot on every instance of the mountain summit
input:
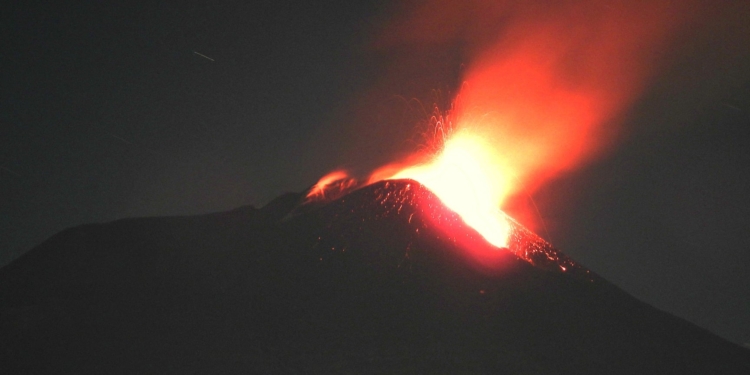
(381, 279)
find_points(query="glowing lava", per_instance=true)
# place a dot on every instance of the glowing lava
(465, 176)
(545, 87)
(330, 186)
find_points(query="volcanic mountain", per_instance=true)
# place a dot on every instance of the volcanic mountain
(382, 279)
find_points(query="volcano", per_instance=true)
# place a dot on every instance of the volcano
(379, 279)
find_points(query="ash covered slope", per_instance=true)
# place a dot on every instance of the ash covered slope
(378, 281)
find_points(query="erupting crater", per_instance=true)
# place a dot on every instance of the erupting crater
(426, 215)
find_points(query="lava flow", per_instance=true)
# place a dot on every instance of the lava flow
(467, 181)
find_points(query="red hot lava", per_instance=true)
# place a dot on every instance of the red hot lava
(330, 186)
(544, 84)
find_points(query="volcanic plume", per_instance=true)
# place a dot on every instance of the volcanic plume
(542, 90)
(412, 270)
(379, 279)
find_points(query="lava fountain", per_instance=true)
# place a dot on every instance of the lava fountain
(545, 85)
(464, 175)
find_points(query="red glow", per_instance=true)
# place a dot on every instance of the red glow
(544, 85)
(468, 181)
(330, 186)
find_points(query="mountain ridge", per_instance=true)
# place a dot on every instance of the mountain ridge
(347, 286)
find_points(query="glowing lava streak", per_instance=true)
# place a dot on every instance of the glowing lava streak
(466, 178)
(318, 191)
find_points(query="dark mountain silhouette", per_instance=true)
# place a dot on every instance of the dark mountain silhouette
(383, 279)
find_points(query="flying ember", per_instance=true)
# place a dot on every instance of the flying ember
(545, 86)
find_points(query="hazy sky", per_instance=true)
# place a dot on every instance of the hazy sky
(113, 111)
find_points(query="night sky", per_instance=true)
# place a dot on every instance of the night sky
(123, 110)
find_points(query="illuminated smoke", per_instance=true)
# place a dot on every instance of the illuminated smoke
(543, 86)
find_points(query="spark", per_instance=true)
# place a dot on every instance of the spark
(202, 55)
(731, 105)
(120, 138)
(3, 167)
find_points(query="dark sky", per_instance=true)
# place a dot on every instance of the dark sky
(126, 110)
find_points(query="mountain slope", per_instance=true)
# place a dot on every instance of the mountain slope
(382, 280)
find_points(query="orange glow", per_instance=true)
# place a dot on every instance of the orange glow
(544, 87)
(466, 179)
(332, 183)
